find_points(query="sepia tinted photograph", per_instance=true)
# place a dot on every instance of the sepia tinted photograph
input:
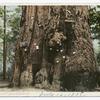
(50, 48)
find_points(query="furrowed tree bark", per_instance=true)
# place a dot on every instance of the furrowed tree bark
(55, 49)
(80, 70)
(28, 54)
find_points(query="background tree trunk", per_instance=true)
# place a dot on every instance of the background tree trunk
(55, 48)
(4, 46)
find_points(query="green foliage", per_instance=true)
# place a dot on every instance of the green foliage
(1, 34)
(12, 29)
(94, 16)
(1, 11)
(94, 21)
(14, 24)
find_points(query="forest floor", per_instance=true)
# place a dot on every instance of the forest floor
(7, 89)
(21, 91)
(31, 91)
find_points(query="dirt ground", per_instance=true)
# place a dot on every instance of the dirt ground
(29, 91)
(32, 91)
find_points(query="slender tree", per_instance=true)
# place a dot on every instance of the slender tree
(4, 46)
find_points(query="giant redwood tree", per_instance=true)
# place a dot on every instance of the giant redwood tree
(54, 49)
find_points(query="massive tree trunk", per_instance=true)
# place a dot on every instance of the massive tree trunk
(80, 70)
(55, 49)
